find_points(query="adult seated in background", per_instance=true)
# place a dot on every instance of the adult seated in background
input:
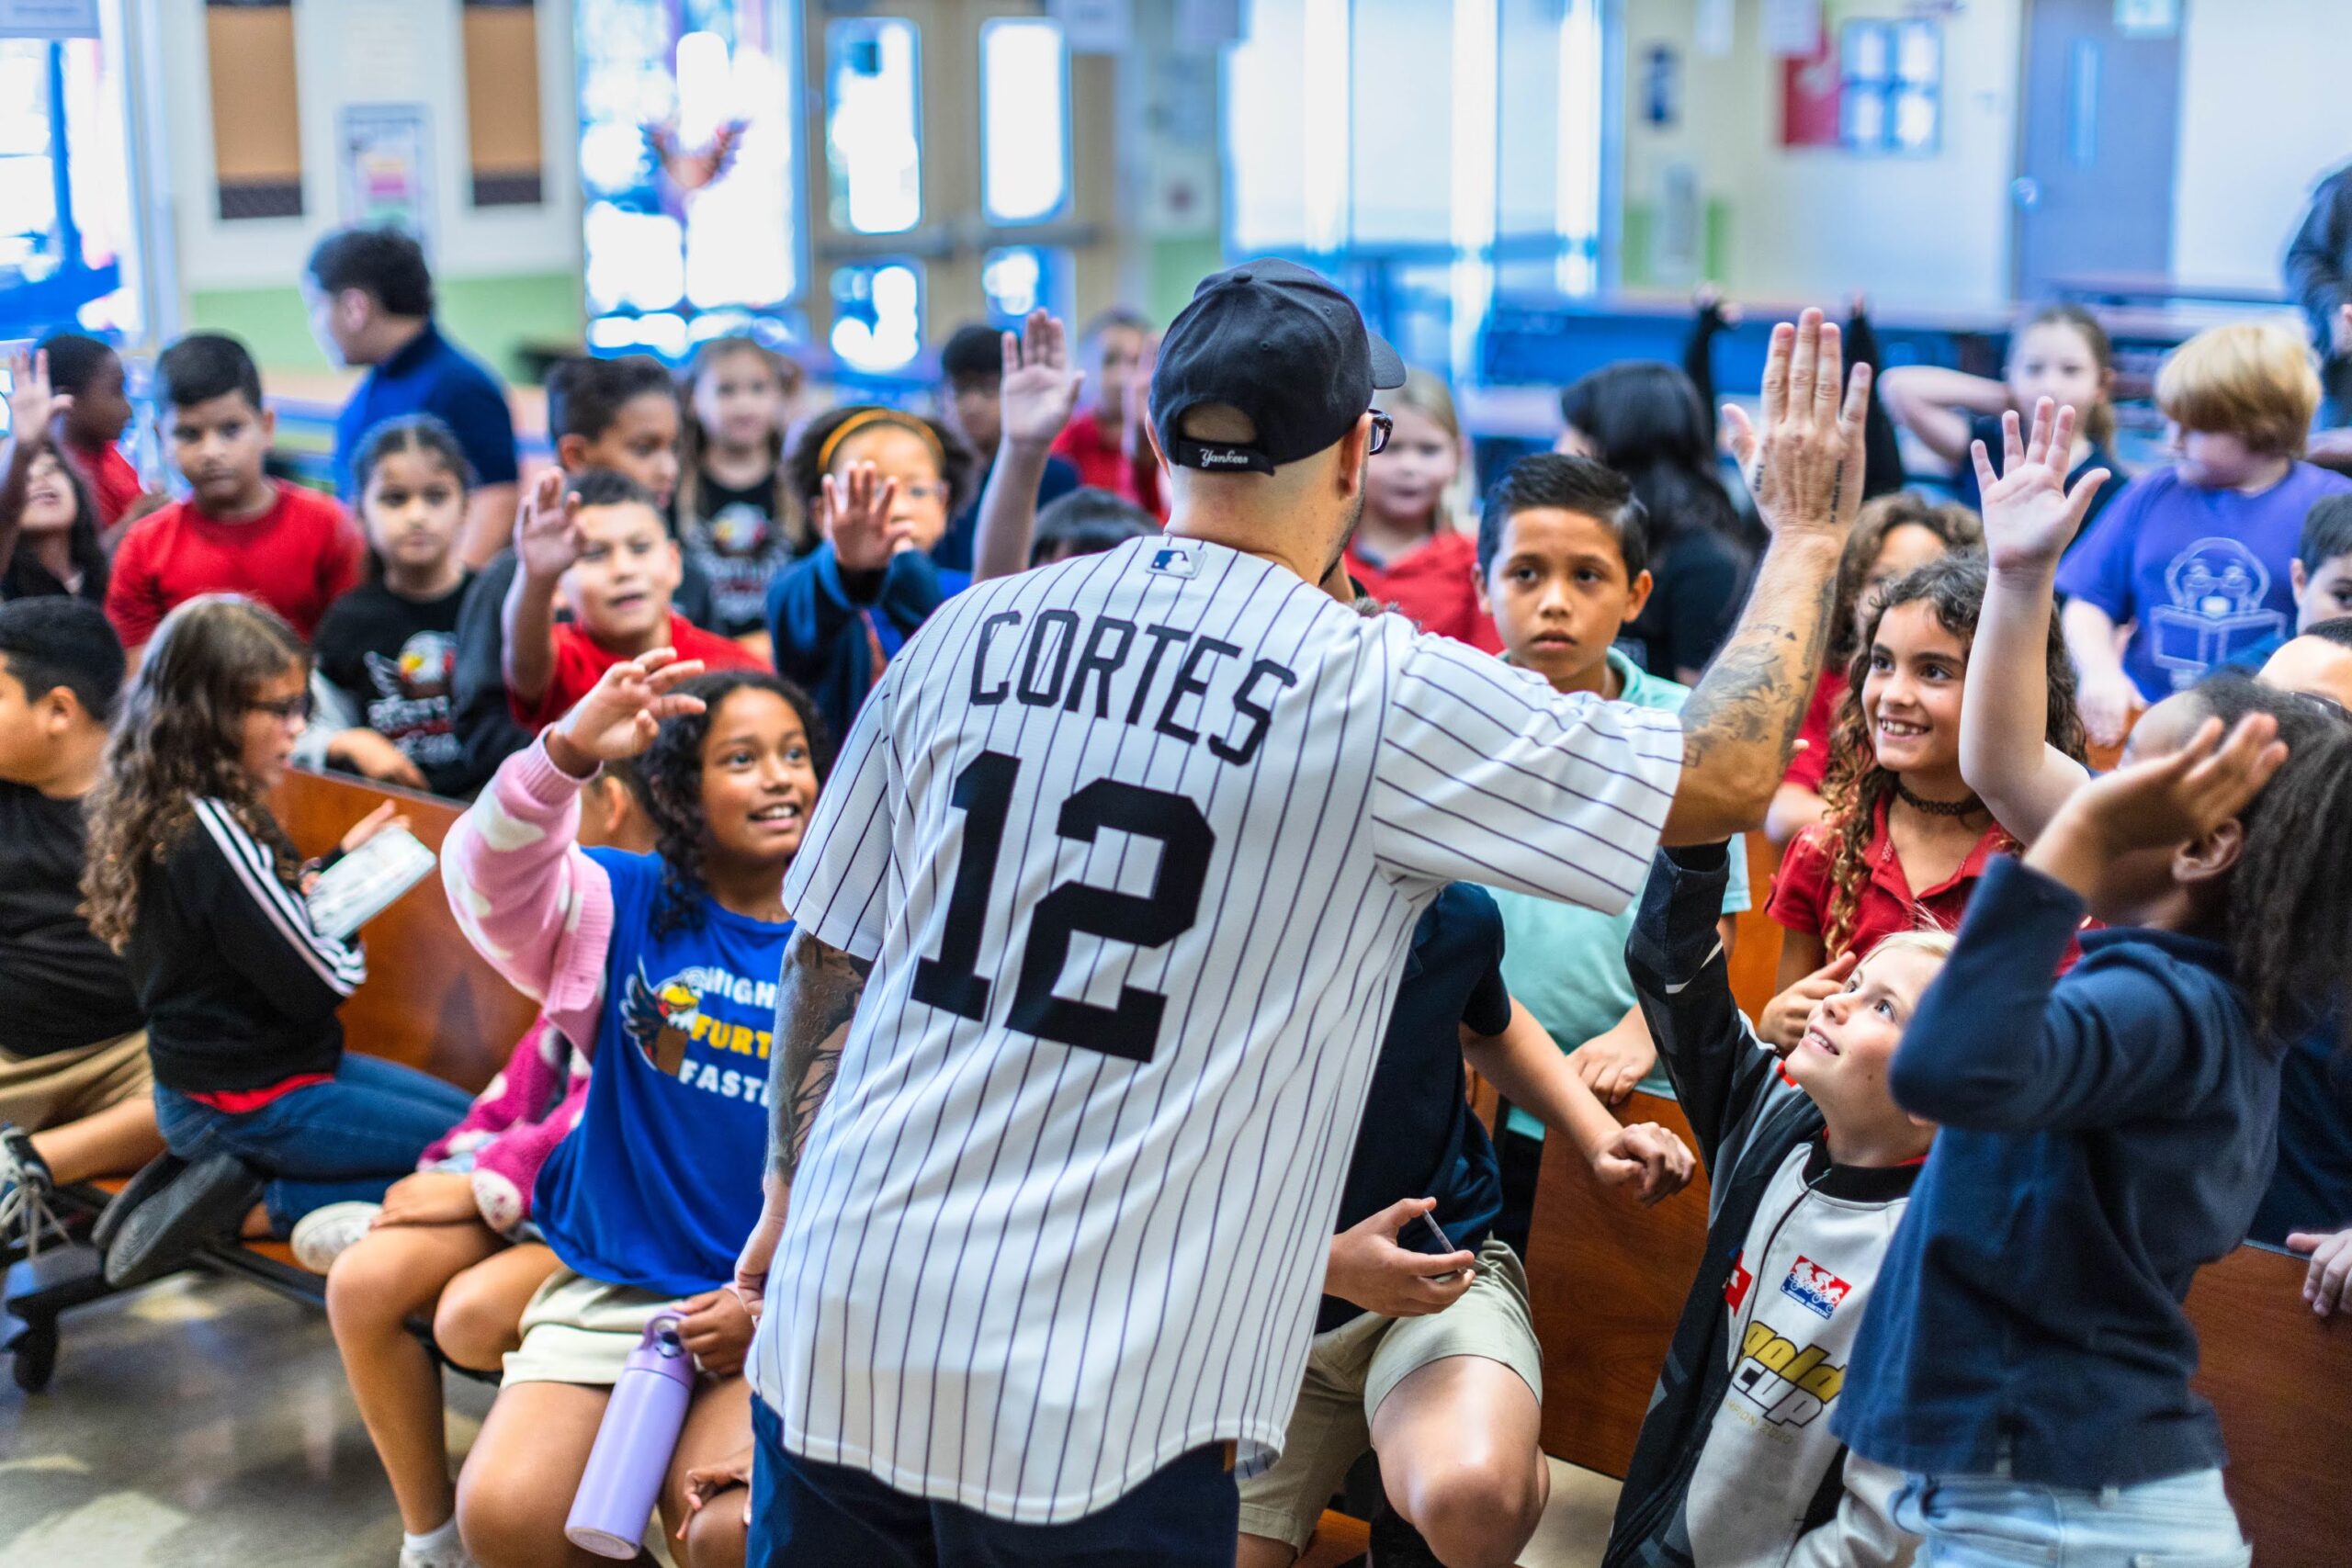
(75, 1096)
(370, 297)
(1106, 442)
(2319, 275)
(1644, 418)
(971, 377)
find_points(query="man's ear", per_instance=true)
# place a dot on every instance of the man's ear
(2210, 857)
(1151, 434)
(1355, 451)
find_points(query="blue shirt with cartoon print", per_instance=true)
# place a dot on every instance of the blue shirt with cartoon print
(2202, 573)
(659, 1183)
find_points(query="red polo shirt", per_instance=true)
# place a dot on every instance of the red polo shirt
(1102, 463)
(1885, 903)
(580, 664)
(1810, 765)
(1436, 584)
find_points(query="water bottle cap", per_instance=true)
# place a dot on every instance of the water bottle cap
(661, 1337)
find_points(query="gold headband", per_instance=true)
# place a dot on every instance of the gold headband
(865, 419)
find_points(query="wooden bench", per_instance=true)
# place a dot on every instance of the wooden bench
(1609, 1278)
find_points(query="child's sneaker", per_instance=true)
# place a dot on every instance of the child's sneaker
(25, 1188)
(20, 1162)
(440, 1549)
(324, 1234)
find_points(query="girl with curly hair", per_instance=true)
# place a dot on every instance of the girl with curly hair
(194, 883)
(882, 485)
(662, 968)
(1905, 840)
(1894, 534)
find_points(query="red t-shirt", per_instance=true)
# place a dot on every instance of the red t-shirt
(1437, 584)
(114, 483)
(580, 664)
(1810, 765)
(297, 557)
(1102, 463)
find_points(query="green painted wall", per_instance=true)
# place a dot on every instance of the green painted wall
(1176, 267)
(1638, 229)
(493, 317)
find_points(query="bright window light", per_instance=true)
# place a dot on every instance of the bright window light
(1025, 119)
(878, 315)
(873, 127)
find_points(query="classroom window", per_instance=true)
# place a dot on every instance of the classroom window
(1891, 92)
(69, 250)
(873, 125)
(1017, 279)
(878, 315)
(1024, 120)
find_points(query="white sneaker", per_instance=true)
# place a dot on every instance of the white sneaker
(413, 1557)
(324, 1234)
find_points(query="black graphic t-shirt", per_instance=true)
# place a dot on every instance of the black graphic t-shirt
(396, 659)
(736, 542)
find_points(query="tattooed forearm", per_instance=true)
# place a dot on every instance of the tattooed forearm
(817, 994)
(1741, 721)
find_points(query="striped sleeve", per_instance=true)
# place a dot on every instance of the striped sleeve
(263, 927)
(837, 886)
(1486, 775)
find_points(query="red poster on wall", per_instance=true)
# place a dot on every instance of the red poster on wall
(1811, 95)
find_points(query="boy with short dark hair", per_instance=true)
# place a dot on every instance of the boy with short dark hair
(75, 1097)
(971, 377)
(600, 541)
(1105, 442)
(239, 531)
(370, 297)
(90, 426)
(1563, 568)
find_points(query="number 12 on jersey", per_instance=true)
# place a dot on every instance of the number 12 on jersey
(1131, 1029)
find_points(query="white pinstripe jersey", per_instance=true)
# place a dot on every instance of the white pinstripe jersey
(1137, 844)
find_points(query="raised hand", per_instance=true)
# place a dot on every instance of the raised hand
(1040, 390)
(1648, 1158)
(2170, 800)
(857, 518)
(1803, 464)
(31, 403)
(547, 527)
(2029, 515)
(623, 711)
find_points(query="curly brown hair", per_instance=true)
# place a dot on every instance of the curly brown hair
(181, 735)
(1955, 524)
(1856, 786)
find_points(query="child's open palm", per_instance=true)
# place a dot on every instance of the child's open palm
(2174, 799)
(31, 403)
(858, 507)
(1040, 390)
(623, 711)
(547, 527)
(2029, 515)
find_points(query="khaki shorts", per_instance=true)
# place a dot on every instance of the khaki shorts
(580, 1330)
(1353, 1366)
(38, 1092)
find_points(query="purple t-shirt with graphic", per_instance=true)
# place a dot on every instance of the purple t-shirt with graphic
(2203, 572)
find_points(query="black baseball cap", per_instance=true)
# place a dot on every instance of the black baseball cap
(1280, 343)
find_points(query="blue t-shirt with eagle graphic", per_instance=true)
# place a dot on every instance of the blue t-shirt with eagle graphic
(659, 1183)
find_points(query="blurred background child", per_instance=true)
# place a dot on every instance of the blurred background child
(737, 522)
(50, 538)
(1406, 550)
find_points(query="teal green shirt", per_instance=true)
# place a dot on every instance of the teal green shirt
(1568, 965)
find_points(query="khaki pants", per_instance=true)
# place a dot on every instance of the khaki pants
(40, 1092)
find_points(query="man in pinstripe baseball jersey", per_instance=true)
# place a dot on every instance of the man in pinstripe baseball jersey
(1100, 920)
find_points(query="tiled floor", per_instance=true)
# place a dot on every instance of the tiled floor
(205, 1422)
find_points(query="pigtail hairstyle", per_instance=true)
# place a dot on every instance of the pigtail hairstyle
(181, 735)
(668, 784)
(1855, 786)
(2289, 903)
(792, 518)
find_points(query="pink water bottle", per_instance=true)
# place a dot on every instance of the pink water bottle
(634, 1444)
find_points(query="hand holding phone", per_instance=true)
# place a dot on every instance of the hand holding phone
(1382, 1264)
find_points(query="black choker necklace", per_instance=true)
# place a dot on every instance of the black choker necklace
(1969, 806)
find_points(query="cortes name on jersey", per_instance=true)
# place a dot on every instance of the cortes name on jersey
(1056, 659)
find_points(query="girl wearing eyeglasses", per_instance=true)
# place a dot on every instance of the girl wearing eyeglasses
(881, 485)
(200, 888)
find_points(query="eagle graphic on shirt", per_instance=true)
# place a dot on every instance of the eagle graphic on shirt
(659, 1019)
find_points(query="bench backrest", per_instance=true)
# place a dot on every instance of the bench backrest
(429, 1001)
(1607, 1278)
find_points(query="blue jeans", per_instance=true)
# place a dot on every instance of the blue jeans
(807, 1515)
(347, 1139)
(1988, 1521)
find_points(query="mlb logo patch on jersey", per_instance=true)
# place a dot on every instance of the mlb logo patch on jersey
(1814, 1288)
(1175, 560)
